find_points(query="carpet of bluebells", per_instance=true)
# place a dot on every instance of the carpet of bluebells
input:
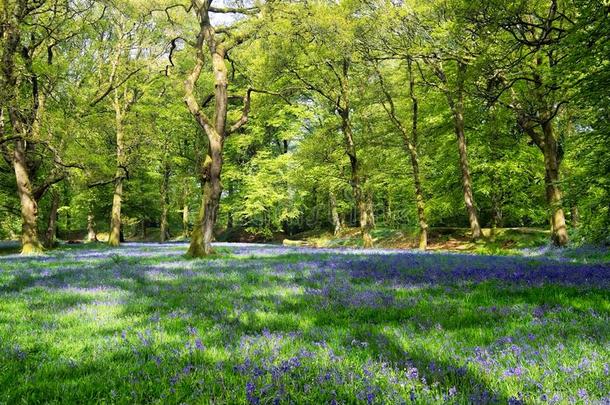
(263, 324)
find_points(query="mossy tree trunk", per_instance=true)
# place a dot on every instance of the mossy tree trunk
(343, 107)
(114, 238)
(540, 130)
(30, 242)
(9, 93)
(122, 102)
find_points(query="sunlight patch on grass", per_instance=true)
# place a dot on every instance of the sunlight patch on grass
(267, 323)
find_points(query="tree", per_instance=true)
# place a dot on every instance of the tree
(534, 32)
(30, 33)
(218, 43)
(323, 41)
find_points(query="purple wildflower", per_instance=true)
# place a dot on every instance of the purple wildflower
(250, 393)
(582, 394)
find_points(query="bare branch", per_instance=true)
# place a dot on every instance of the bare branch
(234, 10)
(244, 116)
(39, 191)
(100, 183)
(112, 87)
(246, 110)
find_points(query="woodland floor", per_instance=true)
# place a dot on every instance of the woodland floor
(271, 324)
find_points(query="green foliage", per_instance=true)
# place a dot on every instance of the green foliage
(283, 170)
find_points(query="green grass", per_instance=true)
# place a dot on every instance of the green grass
(122, 328)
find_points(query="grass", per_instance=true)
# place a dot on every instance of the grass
(264, 324)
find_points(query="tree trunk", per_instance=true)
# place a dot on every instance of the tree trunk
(203, 232)
(550, 148)
(164, 231)
(365, 224)
(473, 218)
(91, 234)
(370, 208)
(9, 96)
(412, 147)
(115, 238)
(30, 244)
(185, 216)
(215, 128)
(457, 109)
(496, 205)
(49, 239)
(334, 213)
(196, 246)
(410, 142)
(575, 216)
(559, 232)
(212, 194)
(496, 212)
(388, 214)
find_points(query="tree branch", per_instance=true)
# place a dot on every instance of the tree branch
(112, 87)
(234, 10)
(246, 110)
(39, 191)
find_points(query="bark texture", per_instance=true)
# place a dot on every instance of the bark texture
(114, 239)
(30, 243)
(121, 103)
(21, 124)
(540, 130)
(457, 110)
(343, 107)
(559, 231)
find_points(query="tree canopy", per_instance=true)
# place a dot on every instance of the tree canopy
(201, 119)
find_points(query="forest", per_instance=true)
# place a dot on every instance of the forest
(285, 117)
(296, 201)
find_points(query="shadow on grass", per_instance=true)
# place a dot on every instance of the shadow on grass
(345, 302)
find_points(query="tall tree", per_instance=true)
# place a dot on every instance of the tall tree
(217, 43)
(320, 54)
(533, 33)
(30, 32)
